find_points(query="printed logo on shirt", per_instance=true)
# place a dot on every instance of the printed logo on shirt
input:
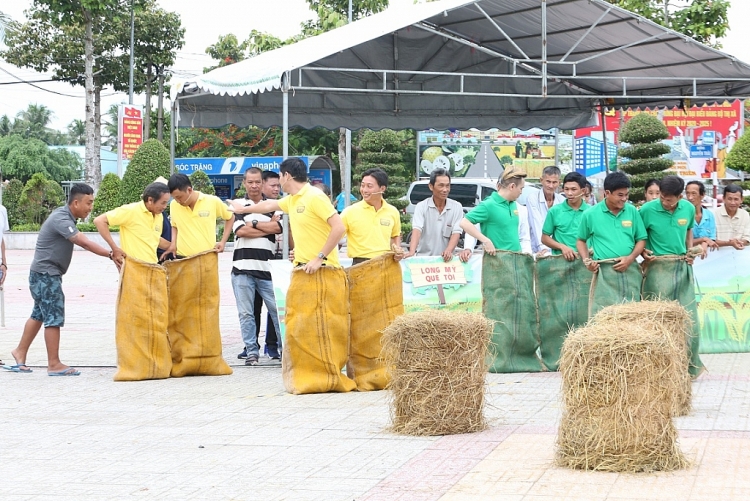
(682, 222)
(385, 222)
(70, 229)
(627, 224)
(300, 209)
(515, 211)
(204, 213)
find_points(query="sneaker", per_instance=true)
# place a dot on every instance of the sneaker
(273, 352)
(243, 354)
(251, 360)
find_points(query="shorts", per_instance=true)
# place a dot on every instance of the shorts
(49, 300)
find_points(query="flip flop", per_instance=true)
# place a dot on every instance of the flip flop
(70, 371)
(17, 368)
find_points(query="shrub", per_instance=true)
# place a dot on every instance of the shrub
(739, 157)
(644, 133)
(26, 227)
(39, 197)
(108, 196)
(202, 183)
(150, 161)
(11, 199)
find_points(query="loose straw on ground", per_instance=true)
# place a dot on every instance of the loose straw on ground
(618, 385)
(438, 361)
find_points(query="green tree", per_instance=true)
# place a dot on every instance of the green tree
(739, 157)
(382, 150)
(33, 122)
(86, 43)
(40, 196)
(22, 158)
(77, 132)
(108, 196)
(150, 161)
(227, 50)
(704, 20)
(644, 133)
(202, 183)
(11, 198)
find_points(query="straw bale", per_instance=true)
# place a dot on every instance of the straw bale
(618, 385)
(663, 318)
(437, 362)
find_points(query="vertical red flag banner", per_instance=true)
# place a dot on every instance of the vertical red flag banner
(129, 132)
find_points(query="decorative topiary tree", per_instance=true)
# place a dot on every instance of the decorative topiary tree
(644, 133)
(202, 183)
(11, 198)
(381, 149)
(39, 197)
(739, 157)
(108, 196)
(150, 161)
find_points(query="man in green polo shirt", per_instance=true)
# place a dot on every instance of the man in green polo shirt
(562, 282)
(497, 215)
(615, 230)
(507, 277)
(560, 230)
(668, 267)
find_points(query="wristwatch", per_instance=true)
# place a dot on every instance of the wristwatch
(321, 255)
(255, 223)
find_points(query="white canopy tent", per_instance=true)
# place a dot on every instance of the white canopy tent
(463, 64)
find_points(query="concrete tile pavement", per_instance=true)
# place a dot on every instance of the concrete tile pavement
(241, 437)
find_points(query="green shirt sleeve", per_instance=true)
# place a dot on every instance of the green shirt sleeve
(584, 229)
(640, 229)
(549, 222)
(478, 214)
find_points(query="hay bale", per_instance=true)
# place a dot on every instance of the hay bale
(618, 386)
(437, 361)
(663, 318)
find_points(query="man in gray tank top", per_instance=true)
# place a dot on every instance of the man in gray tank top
(54, 250)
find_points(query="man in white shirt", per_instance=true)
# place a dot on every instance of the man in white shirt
(539, 203)
(732, 223)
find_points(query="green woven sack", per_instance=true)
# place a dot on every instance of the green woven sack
(562, 292)
(612, 287)
(508, 299)
(672, 279)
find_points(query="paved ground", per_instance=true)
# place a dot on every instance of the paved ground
(241, 437)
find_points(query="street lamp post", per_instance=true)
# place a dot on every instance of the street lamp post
(132, 36)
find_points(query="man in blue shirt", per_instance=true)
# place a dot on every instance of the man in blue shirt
(704, 230)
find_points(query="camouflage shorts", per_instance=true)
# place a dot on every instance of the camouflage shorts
(49, 300)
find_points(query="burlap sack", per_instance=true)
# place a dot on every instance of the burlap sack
(672, 279)
(141, 323)
(375, 299)
(610, 287)
(562, 292)
(508, 299)
(317, 332)
(194, 316)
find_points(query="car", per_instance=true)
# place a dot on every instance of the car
(466, 191)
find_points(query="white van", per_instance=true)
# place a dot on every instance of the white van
(466, 191)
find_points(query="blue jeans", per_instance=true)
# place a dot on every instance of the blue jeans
(244, 287)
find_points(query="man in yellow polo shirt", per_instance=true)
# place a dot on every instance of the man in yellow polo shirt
(372, 225)
(194, 217)
(140, 225)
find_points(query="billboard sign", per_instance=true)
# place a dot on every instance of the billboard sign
(129, 132)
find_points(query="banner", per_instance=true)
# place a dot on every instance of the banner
(129, 132)
(722, 289)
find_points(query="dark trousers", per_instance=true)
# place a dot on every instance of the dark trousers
(271, 338)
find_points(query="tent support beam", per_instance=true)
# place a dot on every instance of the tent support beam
(285, 154)
(498, 28)
(588, 32)
(544, 48)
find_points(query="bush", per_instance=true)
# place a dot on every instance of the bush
(26, 227)
(39, 197)
(150, 161)
(108, 196)
(650, 150)
(202, 183)
(643, 128)
(739, 157)
(11, 199)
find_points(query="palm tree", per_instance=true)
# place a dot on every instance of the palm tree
(77, 132)
(34, 120)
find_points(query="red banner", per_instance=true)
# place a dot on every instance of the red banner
(130, 130)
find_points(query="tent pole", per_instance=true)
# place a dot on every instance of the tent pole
(172, 123)
(604, 137)
(285, 153)
(544, 48)
(557, 146)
